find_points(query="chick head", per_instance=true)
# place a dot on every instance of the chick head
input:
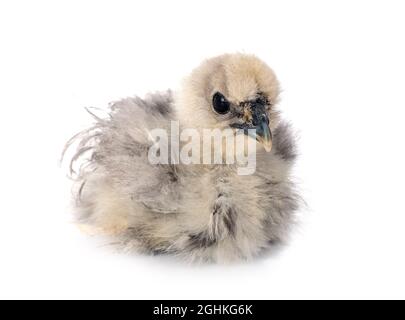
(231, 91)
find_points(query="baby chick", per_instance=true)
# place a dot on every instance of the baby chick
(199, 212)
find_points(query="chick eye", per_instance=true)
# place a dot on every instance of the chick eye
(220, 104)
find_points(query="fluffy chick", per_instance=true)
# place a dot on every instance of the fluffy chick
(196, 212)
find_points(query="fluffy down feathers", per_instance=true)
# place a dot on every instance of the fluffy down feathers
(196, 212)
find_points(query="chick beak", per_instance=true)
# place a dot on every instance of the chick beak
(255, 117)
(263, 133)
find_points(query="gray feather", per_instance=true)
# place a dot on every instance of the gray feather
(199, 213)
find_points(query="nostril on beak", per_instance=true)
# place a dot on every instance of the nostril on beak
(260, 119)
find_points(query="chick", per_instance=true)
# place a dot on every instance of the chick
(198, 212)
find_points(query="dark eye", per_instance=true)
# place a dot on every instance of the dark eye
(220, 104)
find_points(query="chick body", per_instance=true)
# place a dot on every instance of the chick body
(196, 212)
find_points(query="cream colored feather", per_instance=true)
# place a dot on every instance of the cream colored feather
(196, 212)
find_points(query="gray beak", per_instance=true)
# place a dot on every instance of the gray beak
(263, 134)
(258, 120)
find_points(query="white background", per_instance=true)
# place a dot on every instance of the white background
(342, 69)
